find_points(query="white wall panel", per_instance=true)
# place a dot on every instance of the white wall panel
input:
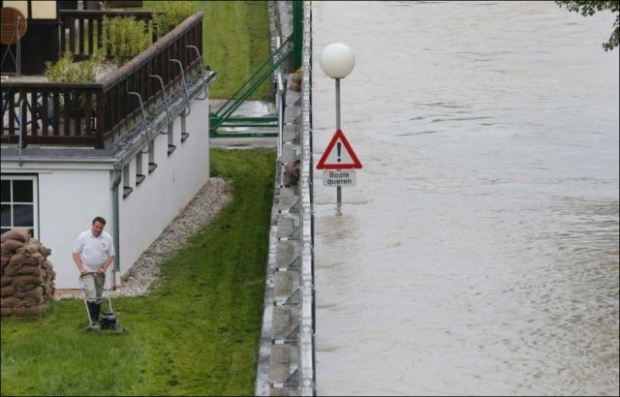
(69, 200)
(158, 199)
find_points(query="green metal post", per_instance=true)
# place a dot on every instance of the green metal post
(298, 32)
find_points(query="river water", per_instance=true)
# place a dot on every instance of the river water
(478, 252)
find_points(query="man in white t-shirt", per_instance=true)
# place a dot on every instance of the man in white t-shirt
(93, 254)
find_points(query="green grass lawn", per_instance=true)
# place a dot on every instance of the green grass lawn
(196, 333)
(236, 40)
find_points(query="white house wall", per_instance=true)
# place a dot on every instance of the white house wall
(71, 194)
(155, 202)
(69, 199)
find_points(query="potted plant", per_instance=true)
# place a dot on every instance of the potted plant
(124, 38)
(72, 102)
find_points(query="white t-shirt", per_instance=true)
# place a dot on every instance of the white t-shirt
(94, 250)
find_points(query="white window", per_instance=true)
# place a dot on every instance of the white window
(19, 206)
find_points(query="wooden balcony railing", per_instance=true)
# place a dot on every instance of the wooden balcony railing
(83, 30)
(96, 115)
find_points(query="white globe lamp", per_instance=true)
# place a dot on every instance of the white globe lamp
(337, 60)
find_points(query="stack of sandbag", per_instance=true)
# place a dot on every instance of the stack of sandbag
(27, 275)
(296, 79)
(291, 172)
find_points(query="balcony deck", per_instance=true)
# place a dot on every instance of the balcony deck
(33, 111)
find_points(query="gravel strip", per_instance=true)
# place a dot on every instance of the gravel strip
(211, 198)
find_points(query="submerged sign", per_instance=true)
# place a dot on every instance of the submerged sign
(339, 155)
(339, 178)
(339, 163)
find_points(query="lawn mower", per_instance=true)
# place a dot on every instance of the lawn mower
(108, 320)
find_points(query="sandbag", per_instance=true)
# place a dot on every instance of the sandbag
(26, 279)
(29, 248)
(37, 256)
(35, 294)
(17, 259)
(51, 274)
(40, 310)
(23, 279)
(34, 270)
(45, 251)
(291, 173)
(7, 290)
(23, 252)
(296, 80)
(26, 287)
(10, 271)
(11, 245)
(6, 280)
(48, 290)
(21, 259)
(32, 301)
(10, 301)
(35, 311)
(19, 234)
(6, 311)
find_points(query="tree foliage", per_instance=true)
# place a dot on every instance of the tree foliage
(589, 8)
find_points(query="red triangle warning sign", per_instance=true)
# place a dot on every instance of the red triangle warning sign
(339, 155)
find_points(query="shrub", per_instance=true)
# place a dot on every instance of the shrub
(66, 71)
(169, 14)
(124, 38)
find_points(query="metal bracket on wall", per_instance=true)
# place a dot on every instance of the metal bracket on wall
(292, 337)
(202, 72)
(144, 121)
(163, 90)
(291, 381)
(294, 265)
(294, 235)
(293, 299)
(295, 208)
(184, 86)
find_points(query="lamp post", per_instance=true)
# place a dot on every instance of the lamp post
(337, 61)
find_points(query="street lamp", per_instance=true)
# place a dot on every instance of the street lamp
(337, 61)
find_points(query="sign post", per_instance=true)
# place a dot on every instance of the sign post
(339, 163)
(337, 61)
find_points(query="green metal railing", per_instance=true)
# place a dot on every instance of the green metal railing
(223, 117)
